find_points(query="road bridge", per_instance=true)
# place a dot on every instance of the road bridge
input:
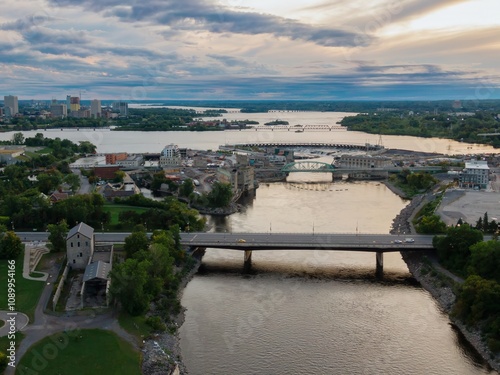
(249, 242)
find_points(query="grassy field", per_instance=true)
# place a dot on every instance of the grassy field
(115, 210)
(27, 291)
(91, 351)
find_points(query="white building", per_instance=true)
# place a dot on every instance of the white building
(11, 102)
(131, 161)
(170, 156)
(476, 174)
(95, 108)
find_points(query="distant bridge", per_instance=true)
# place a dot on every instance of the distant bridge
(350, 146)
(308, 166)
(320, 167)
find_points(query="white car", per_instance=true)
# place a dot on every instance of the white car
(409, 240)
(398, 241)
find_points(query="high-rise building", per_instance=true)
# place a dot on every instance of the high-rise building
(74, 103)
(170, 156)
(68, 102)
(58, 110)
(121, 107)
(95, 108)
(11, 101)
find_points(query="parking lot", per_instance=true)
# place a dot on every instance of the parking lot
(469, 205)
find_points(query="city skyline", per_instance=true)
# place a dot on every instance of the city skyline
(227, 49)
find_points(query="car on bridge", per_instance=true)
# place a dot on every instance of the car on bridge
(241, 240)
(409, 240)
(398, 241)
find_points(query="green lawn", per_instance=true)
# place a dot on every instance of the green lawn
(27, 291)
(115, 210)
(91, 351)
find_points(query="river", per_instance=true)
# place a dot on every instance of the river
(306, 312)
(316, 312)
(138, 142)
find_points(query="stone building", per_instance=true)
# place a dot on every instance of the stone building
(80, 246)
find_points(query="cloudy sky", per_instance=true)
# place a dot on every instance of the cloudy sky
(260, 49)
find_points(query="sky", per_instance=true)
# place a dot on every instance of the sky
(250, 50)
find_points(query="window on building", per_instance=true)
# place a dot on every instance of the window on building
(78, 244)
(71, 244)
(81, 254)
(74, 261)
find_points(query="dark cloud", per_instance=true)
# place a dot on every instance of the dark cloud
(205, 15)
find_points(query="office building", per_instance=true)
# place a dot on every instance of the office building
(58, 110)
(95, 108)
(11, 102)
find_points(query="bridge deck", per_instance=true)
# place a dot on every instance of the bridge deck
(306, 241)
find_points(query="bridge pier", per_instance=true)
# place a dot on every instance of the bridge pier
(247, 264)
(379, 256)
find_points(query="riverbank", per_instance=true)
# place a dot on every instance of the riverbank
(438, 282)
(162, 353)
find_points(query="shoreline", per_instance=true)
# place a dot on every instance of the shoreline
(162, 353)
(426, 271)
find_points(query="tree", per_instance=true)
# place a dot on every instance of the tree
(10, 246)
(479, 224)
(485, 260)
(119, 176)
(128, 281)
(431, 225)
(221, 195)
(187, 188)
(57, 236)
(18, 139)
(73, 181)
(486, 222)
(453, 249)
(135, 242)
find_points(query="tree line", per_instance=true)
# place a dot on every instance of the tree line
(463, 251)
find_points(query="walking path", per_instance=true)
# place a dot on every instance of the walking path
(29, 253)
(22, 321)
